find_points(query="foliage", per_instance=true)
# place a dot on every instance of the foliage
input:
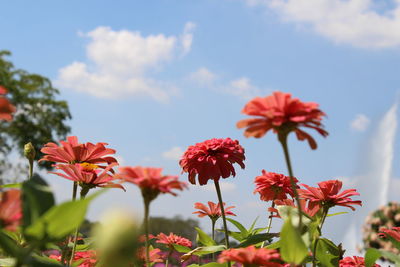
(40, 117)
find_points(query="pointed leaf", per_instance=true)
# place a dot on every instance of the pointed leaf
(253, 225)
(203, 238)
(257, 238)
(239, 226)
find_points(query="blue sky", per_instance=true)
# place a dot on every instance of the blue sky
(153, 77)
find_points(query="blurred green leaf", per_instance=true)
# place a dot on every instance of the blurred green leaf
(37, 198)
(18, 185)
(292, 247)
(7, 262)
(337, 213)
(371, 255)
(203, 238)
(181, 249)
(59, 221)
(391, 256)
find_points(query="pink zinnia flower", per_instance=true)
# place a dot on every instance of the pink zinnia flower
(327, 195)
(86, 258)
(10, 209)
(71, 152)
(88, 175)
(282, 114)
(273, 186)
(213, 210)
(251, 256)
(6, 108)
(150, 181)
(354, 261)
(308, 209)
(173, 239)
(155, 254)
(212, 159)
(393, 232)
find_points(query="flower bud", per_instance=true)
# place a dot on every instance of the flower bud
(29, 151)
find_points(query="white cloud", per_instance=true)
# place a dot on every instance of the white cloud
(355, 22)
(174, 153)
(203, 76)
(226, 187)
(360, 123)
(118, 63)
(241, 87)
(187, 37)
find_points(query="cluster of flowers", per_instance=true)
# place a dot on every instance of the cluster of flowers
(91, 165)
(378, 221)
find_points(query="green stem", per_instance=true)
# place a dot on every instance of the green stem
(213, 234)
(74, 190)
(84, 192)
(221, 203)
(146, 229)
(269, 222)
(169, 255)
(30, 169)
(325, 213)
(283, 140)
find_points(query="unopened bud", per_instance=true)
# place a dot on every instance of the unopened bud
(29, 151)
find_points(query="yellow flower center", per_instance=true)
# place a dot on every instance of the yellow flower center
(89, 166)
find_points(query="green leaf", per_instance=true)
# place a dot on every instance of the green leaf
(274, 245)
(181, 249)
(39, 261)
(327, 253)
(390, 256)
(239, 226)
(337, 213)
(252, 225)
(37, 198)
(208, 250)
(293, 249)
(292, 213)
(236, 235)
(203, 238)
(9, 246)
(371, 255)
(59, 221)
(257, 238)
(18, 185)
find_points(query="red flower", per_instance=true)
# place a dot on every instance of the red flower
(251, 256)
(151, 181)
(71, 152)
(173, 239)
(212, 159)
(354, 261)
(327, 195)
(86, 258)
(394, 232)
(282, 114)
(6, 108)
(310, 210)
(89, 175)
(10, 209)
(273, 186)
(213, 210)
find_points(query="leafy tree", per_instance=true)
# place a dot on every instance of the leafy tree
(176, 225)
(40, 117)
